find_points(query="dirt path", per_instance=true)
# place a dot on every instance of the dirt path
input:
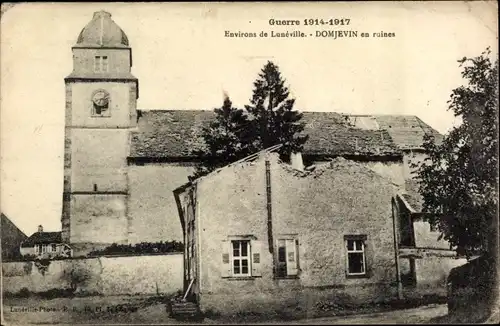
(87, 310)
(151, 310)
(421, 315)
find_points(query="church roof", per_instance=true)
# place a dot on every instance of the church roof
(102, 31)
(174, 133)
(407, 131)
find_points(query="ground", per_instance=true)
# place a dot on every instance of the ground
(92, 310)
(149, 310)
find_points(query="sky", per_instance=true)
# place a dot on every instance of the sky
(184, 61)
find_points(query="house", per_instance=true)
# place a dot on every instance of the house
(424, 260)
(45, 245)
(121, 163)
(11, 239)
(261, 234)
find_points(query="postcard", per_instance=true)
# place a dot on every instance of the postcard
(249, 162)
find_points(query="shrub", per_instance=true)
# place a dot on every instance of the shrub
(140, 248)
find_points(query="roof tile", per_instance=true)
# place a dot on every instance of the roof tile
(42, 238)
(175, 133)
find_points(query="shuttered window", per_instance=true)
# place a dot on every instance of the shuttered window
(240, 258)
(287, 262)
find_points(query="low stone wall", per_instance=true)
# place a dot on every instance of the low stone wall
(151, 274)
(431, 275)
(432, 272)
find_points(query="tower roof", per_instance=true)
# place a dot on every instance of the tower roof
(102, 31)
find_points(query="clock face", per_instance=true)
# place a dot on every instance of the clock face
(101, 98)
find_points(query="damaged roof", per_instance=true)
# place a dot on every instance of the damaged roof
(407, 131)
(170, 133)
(329, 134)
(175, 133)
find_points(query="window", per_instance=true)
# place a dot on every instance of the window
(100, 64)
(287, 257)
(104, 64)
(54, 247)
(355, 256)
(240, 257)
(38, 249)
(97, 64)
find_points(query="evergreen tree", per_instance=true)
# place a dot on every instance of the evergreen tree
(268, 120)
(226, 139)
(271, 112)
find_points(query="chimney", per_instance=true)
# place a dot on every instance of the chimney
(296, 161)
(40, 228)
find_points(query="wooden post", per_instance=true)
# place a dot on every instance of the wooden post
(189, 288)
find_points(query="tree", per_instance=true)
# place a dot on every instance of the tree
(227, 139)
(268, 120)
(273, 119)
(459, 180)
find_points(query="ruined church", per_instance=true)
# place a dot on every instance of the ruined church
(121, 163)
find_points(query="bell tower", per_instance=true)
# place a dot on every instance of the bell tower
(101, 97)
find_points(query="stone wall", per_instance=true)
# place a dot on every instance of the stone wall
(429, 274)
(427, 238)
(410, 158)
(151, 274)
(98, 219)
(432, 272)
(152, 209)
(119, 60)
(119, 104)
(392, 170)
(95, 164)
